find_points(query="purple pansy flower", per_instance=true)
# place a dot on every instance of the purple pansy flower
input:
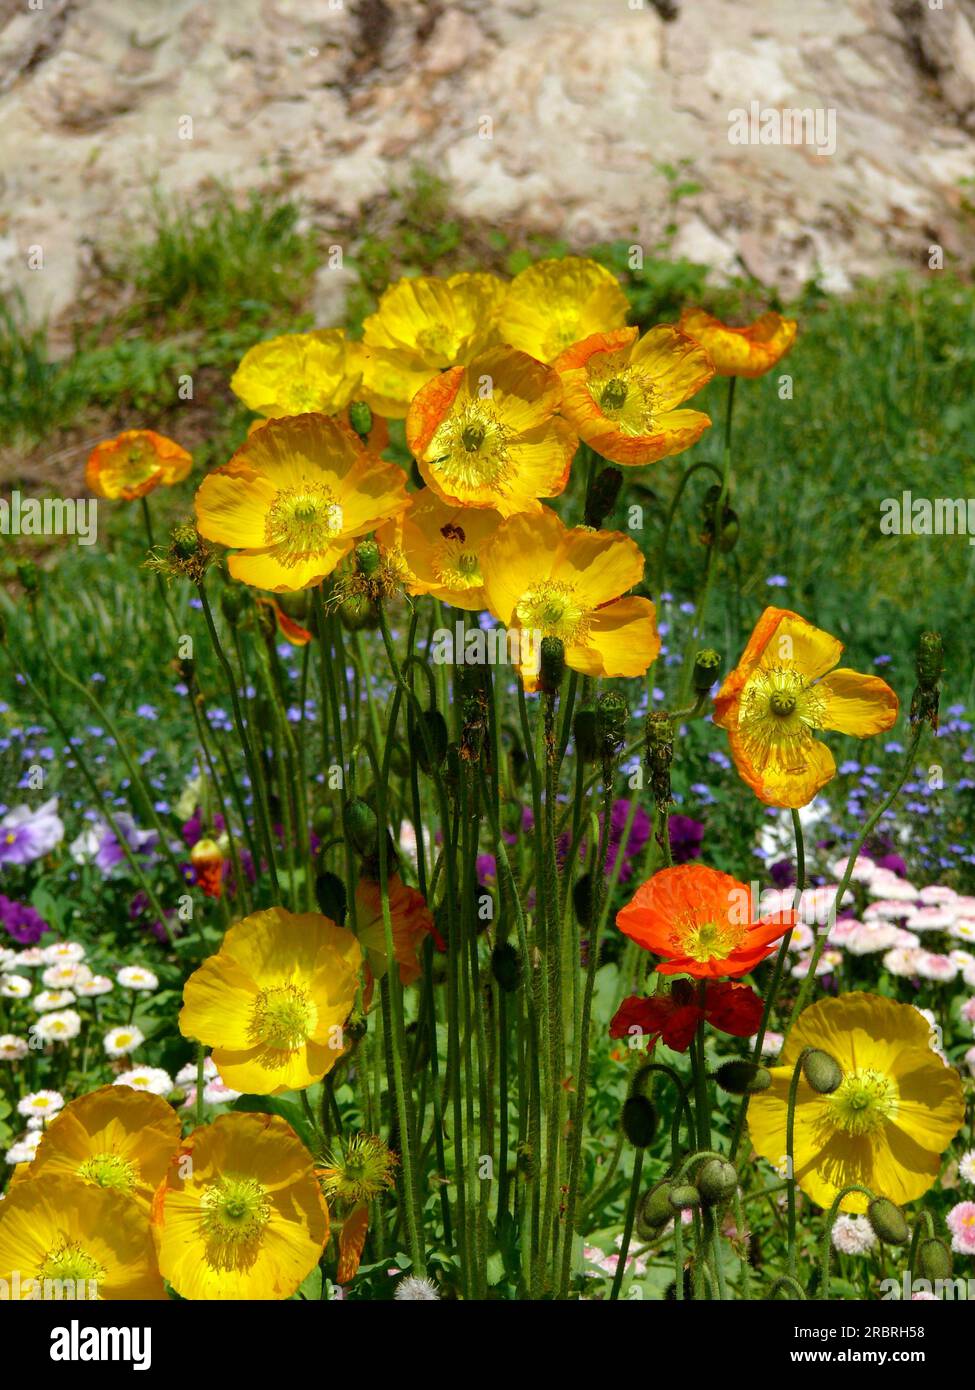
(26, 835)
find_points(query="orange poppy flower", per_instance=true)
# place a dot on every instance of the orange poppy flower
(289, 629)
(133, 463)
(701, 922)
(749, 351)
(208, 862)
(729, 1006)
(440, 547)
(621, 392)
(411, 919)
(487, 435)
(779, 694)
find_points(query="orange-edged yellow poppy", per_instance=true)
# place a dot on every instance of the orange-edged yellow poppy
(294, 498)
(487, 435)
(240, 1214)
(288, 628)
(300, 372)
(273, 1000)
(783, 689)
(421, 326)
(622, 392)
(62, 1238)
(554, 303)
(114, 1137)
(411, 921)
(133, 463)
(543, 579)
(750, 351)
(441, 548)
(888, 1122)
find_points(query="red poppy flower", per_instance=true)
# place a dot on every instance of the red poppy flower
(729, 1006)
(701, 922)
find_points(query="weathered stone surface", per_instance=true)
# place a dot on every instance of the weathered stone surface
(557, 116)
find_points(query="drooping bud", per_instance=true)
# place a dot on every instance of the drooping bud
(740, 1078)
(888, 1221)
(930, 668)
(707, 665)
(822, 1071)
(716, 1179)
(432, 724)
(660, 754)
(331, 896)
(601, 497)
(360, 418)
(360, 825)
(684, 1197)
(639, 1121)
(551, 670)
(506, 966)
(655, 1209)
(933, 1259)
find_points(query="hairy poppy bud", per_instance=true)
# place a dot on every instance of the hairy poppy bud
(331, 896)
(360, 825)
(822, 1072)
(551, 669)
(933, 1259)
(611, 716)
(601, 497)
(506, 966)
(888, 1221)
(639, 1121)
(743, 1078)
(684, 1197)
(584, 732)
(360, 418)
(432, 724)
(367, 557)
(716, 1179)
(582, 900)
(655, 1209)
(707, 665)
(659, 730)
(358, 612)
(930, 667)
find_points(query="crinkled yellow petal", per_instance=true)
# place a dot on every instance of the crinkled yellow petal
(781, 774)
(600, 565)
(232, 504)
(678, 365)
(520, 555)
(858, 704)
(300, 372)
(554, 303)
(622, 640)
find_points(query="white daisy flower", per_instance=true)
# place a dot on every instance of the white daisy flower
(414, 1289)
(966, 1166)
(32, 957)
(25, 1148)
(872, 937)
(63, 951)
(43, 1103)
(66, 976)
(186, 1076)
(137, 977)
(931, 966)
(853, 1235)
(119, 1042)
(49, 999)
(12, 1048)
(930, 919)
(216, 1093)
(58, 1027)
(15, 987)
(902, 961)
(153, 1079)
(98, 984)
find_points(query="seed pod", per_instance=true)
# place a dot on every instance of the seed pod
(639, 1121)
(584, 732)
(888, 1221)
(741, 1078)
(611, 717)
(551, 671)
(655, 1209)
(358, 612)
(822, 1072)
(927, 694)
(582, 900)
(659, 730)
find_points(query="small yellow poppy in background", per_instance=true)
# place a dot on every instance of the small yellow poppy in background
(134, 463)
(115, 1137)
(544, 579)
(272, 1002)
(61, 1237)
(779, 694)
(554, 303)
(240, 1214)
(422, 326)
(300, 372)
(621, 392)
(441, 546)
(749, 351)
(294, 498)
(886, 1125)
(487, 435)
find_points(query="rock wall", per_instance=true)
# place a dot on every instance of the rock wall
(553, 114)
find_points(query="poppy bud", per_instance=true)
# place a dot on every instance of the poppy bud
(821, 1071)
(360, 825)
(367, 557)
(888, 1221)
(431, 723)
(207, 861)
(358, 612)
(360, 418)
(655, 1209)
(601, 497)
(551, 665)
(331, 896)
(582, 900)
(526, 1160)
(707, 665)
(506, 966)
(639, 1121)
(176, 1097)
(927, 693)
(743, 1078)
(584, 732)
(933, 1259)
(659, 730)
(611, 715)
(370, 860)
(716, 1179)
(684, 1197)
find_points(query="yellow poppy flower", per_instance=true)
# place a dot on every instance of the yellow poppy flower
(750, 351)
(886, 1125)
(114, 1137)
(134, 463)
(300, 372)
(423, 325)
(621, 392)
(271, 1003)
(543, 579)
(64, 1238)
(294, 498)
(555, 303)
(487, 435)
(240, 1214)
(441, 548)
(779, 694)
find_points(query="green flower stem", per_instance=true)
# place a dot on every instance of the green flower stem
(827, 1245)
(685, 478)
(790, 1144)
(241, 886)
(631, 1206)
